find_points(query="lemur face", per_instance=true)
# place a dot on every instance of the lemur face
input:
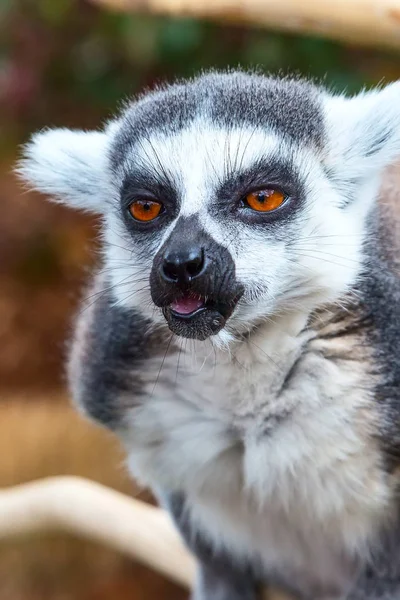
(229, 198)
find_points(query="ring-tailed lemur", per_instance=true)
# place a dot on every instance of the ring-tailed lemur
(242, 335)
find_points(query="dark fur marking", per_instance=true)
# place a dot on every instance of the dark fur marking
(221, 576)
(380, 580)
(138, 181)
(106, 363)
(380, 289)
(272, 172)
(379, 142)
(288, 377)
(220, 267)
(139, 184)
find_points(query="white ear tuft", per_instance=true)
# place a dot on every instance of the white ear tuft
(363, 133)
(69, 165)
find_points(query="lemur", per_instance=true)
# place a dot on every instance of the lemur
(242, 334)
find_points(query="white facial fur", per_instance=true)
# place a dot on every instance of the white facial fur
(321, 263)
(341, 180)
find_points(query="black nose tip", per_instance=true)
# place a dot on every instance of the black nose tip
(183, 267)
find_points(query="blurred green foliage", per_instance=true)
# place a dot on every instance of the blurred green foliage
(69, 62)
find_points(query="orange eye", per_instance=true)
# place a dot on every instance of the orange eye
(265, 200)
(145, 210)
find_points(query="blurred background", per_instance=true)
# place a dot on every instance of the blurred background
(68, 62)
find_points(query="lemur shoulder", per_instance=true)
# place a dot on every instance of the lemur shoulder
(242, 335)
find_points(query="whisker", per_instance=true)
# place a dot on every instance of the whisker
(317, 251)
(313, 257)
(162, 364)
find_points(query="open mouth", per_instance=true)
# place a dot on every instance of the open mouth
(187, 306)
(194, 316)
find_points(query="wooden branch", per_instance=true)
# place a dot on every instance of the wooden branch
(365, 22)
(91, 510)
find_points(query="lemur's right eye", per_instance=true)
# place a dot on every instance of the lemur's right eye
(145, 210)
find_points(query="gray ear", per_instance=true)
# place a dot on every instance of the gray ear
(363, 132)
(69, 165)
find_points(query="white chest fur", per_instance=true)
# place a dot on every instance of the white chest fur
(279, 469)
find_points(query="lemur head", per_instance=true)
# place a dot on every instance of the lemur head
(229, 198)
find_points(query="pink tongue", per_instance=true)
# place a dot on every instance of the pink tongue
(186, 305)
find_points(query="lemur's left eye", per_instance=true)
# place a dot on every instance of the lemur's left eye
(145, 210)
(265, 200)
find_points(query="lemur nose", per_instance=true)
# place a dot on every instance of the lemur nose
(183, 266)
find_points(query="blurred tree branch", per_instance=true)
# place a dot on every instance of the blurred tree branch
(373, 23)
(88, 509)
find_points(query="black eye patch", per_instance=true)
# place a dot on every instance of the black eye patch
(265, 173)
(142, 184)
(160, 186)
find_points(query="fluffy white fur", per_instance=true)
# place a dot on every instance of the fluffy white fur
(363, 131)
(70, 166)
(306, 498)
